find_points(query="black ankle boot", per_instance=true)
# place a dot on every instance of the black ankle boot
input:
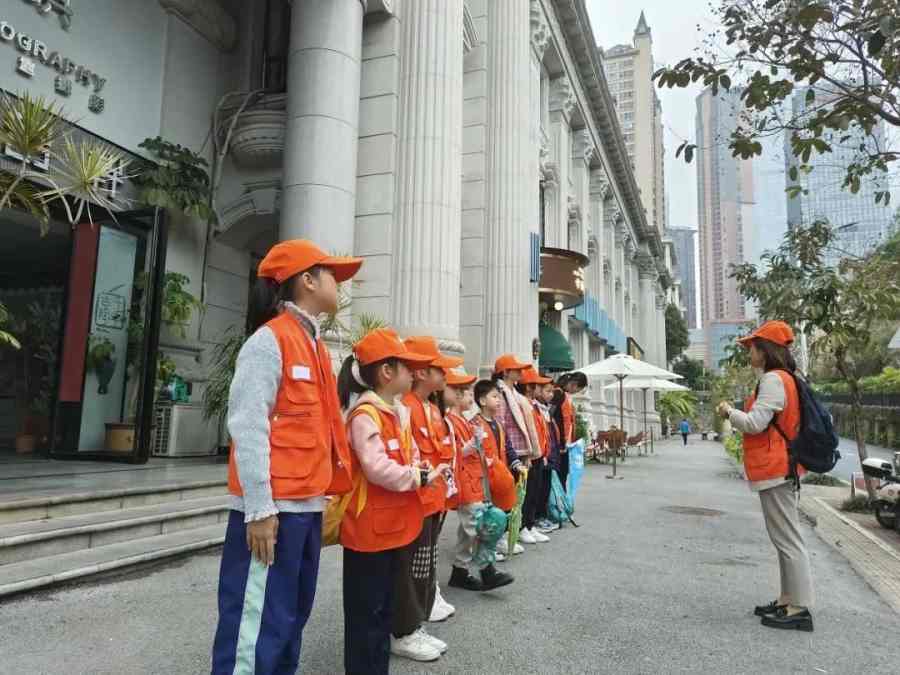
(491, 578)
(462, 578)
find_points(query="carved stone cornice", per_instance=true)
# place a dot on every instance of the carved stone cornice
(540, 30)
(583, 146)
(574, 209)
(660, 301)
(208, 18)
(600, 185)
(548, 169)
(562, 98)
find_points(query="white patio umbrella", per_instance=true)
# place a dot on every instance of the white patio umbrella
(620, 367)
(645, 385)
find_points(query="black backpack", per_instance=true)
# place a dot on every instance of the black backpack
(815, 446)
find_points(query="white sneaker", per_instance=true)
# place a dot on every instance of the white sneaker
(518, 549)
(441, 610)
(503, 545)
(539, 536)
(546, 526)
(437, 643)
(526, 537)
(499, 557)
(414, 647)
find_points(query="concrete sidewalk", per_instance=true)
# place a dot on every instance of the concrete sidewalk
(662, 577)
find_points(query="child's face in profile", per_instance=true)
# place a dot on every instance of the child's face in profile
(490, 402)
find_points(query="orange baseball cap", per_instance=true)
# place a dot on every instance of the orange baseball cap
(425, 344)
(291, 257)
(384, 343)
(532, 376)
(773, 331)
(509, 362)
(459, 379)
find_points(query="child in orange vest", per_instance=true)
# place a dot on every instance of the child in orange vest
(384, 516)
(529, 386)
(498, 449)
(544, 400)
(564, 413)
(458, 398)
(416, 594)
(288, 451)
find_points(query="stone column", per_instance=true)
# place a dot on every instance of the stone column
(319, 185)
(661, 329)
(427, 235)
(508, 181)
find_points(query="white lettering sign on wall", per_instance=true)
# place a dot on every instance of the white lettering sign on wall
(35, 51)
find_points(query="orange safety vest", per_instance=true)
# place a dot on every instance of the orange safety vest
(568, 418)
(468, 469)
(766, 453)
(543, 431)
(503, 485)
(377, 519)
(425, 431)
(309, 454)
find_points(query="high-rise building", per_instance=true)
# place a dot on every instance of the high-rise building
(861, 223)
(683, 238)
(724, 206)
(629, 71)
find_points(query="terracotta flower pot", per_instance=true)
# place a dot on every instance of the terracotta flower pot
(25, 443)
(119, 437)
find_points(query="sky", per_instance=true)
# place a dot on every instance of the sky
(673, 25)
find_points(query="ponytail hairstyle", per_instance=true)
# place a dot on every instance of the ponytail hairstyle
(355, 378)
(267, 296)
(438, 399)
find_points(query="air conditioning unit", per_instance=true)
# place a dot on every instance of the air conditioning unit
(181, 431)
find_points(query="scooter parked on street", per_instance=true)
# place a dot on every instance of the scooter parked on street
(887, 496)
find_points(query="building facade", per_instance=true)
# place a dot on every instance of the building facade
(684, 239)
(629, 70)
(469, 151)
(861, 223)
(724, 207)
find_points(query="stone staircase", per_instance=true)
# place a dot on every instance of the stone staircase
(48, 540)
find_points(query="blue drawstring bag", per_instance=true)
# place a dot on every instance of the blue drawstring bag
(559, 506)
(576, 469)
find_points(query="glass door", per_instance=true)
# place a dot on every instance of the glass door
(109, 352)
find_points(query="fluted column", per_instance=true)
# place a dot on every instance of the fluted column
(508, 181)
(429, 173)
(319, 184)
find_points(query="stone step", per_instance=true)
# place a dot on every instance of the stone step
(59, 506)
(28, 575)
(30, 540)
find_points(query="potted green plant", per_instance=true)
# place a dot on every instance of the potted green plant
(101, 360)
(179, 304)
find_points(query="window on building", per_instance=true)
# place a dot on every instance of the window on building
(276, 35)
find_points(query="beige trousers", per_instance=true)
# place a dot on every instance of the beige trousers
(780, 510)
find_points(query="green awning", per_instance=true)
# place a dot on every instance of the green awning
(556, 354)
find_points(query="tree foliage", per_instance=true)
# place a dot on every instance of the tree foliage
(845, 56)
(694, 373)
(677, 336)
(177, 180)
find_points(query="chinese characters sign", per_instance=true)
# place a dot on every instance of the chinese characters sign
(34, 52)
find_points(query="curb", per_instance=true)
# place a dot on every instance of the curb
(98, 568)
(876, 562)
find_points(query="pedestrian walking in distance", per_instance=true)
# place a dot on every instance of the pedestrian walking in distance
(773, 414)
(685, 429)
(288, 451)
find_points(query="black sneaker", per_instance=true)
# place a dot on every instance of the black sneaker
(491, 578)
(462, 578)
(771, 608)
(781, 619)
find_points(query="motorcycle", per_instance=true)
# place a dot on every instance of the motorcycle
(887, 496)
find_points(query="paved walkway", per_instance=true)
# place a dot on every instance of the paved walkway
(661, 578)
